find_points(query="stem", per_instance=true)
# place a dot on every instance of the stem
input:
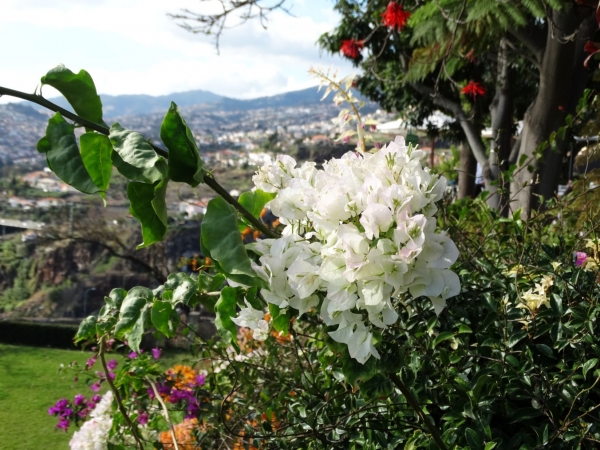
(412, 401)
(208, 179)
(115, 392)
(165, 412)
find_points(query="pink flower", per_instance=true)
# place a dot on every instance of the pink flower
(156, 353)
(200, 379)
(580, 258)
(95, 387)
(90, 362)
(112, 364)
(132, 355)
(79, 399)
(142, 418)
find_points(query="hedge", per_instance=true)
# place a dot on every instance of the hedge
(38, 334)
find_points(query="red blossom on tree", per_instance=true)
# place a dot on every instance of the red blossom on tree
(474, 89)
(351, 48)
(592, 48)
(395, 16)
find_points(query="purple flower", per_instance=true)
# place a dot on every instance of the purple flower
(200, 379)
(58, 407)
(142, 418)
(90, 362)
(66, 412)
(95, 387)
(192, 409)
(111, 375)
(132, 355)
(580, 258)
(112, 364)
(83, 413)
(79, 399)
(96, 398)
(63, 424)
(156, 353)
(151, 394)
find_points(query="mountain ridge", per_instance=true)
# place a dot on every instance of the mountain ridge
(142, 104)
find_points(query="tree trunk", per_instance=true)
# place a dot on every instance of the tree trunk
(466, 174)
(501, 109)
(548, 110)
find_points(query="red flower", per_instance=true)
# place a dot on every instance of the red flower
(591, 47)
(395, 16)
(351, 48)
(474, 89)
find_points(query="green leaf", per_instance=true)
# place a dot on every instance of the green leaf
(226, 309)
(135, 334)
(525, 414)
(63, 155)
(161, 318)
(376, 387)
(87, 329)
(545, 350)
(131, 309)
(185, 164)
(43, 146)
(515, 338)
(79, 90)
(210, 283)
(147, 204)
(254, 202)
(473, 439)
(183, 287)
(464, 329)
(442, 337)
(490, 446)
(116, 297)
(588, 365)
(96, 151)
(556, 304)
(222, 242)
(282, 323)
(354, 371)
(135, 158)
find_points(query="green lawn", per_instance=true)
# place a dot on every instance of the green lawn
(30, 384)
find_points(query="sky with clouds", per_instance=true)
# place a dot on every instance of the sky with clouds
(133, 47)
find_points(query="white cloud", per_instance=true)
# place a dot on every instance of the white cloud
(133, 47)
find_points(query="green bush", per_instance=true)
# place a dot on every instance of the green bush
(38, 334)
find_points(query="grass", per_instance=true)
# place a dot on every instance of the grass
(30, 383)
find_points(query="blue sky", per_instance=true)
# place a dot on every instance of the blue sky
(132, 47)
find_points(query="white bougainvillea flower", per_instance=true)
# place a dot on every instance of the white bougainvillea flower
(357, 234)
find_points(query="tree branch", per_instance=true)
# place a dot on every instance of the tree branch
(208, 179)
(454, 108)
(532, 39)
(214, 24)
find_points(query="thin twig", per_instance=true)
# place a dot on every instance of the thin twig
(165, 412)
(130, 424)
(412, 401)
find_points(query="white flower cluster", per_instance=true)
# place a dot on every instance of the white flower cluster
(359, 232)
(93, 434)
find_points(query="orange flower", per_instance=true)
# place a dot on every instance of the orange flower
(184, 433)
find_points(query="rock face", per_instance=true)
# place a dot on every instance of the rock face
(70, 278)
